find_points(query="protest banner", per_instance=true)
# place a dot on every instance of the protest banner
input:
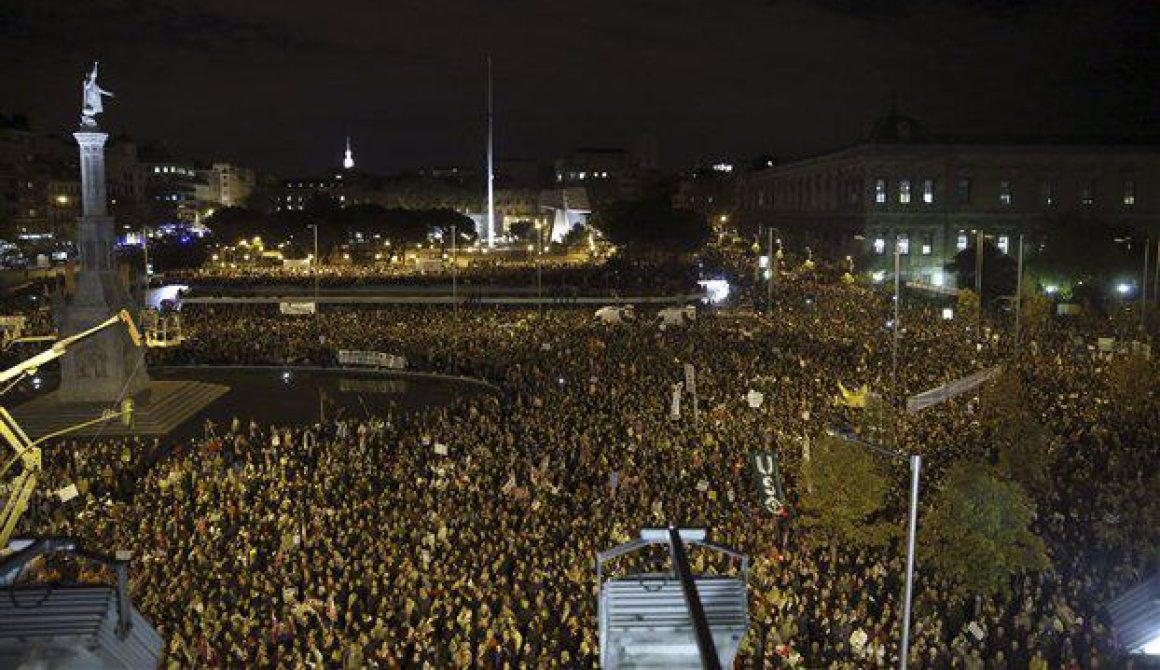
(767, 479)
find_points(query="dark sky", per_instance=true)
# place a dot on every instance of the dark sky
(278, 83)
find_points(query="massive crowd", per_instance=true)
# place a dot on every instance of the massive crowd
(557, 276)
(355, 544)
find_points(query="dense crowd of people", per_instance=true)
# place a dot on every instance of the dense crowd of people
(555, 275)
(358, 543)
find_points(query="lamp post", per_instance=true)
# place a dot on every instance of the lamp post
(772, 271)
(539, 271)
(911, 530)
(454, 274)
(1019, 293)
(455, 288)
(1144, 285)
(897, 301)
(314, 264)
(145, 255)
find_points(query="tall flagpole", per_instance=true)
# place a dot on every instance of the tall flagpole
(490, 165)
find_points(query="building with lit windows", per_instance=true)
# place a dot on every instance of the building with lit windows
(930, 195)
(224, 185)
(606, 175)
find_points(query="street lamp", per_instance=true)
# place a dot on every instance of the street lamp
(912, 525)
(539, 271)
(314, 262)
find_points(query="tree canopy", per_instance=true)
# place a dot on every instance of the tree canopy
(336, 226)
(844, 491)
(1072, 248)
(978, 529)
(1020, 442)
(652, 225)
(1000, 271)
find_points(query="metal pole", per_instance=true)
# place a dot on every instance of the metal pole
(703, 635)
(772, 272)
(1144, 285)
(316, 261)
(1156, 275)
(145, 253)
(915, 468)
(1018, 294)
(454, 290)
(897, 300)
(979, 266)
(454, 274)
(539, 272)
(490, 165)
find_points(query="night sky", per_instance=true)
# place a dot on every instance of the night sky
(277, 84)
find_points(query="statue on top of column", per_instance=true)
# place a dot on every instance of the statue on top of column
(92, 104)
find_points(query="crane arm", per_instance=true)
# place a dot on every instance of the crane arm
(61, 346)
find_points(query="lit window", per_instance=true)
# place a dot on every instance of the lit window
(1086, 193)
(926, 249)
(928, 191)
(880, 191)
(961, 242)
(903, 245)
(963, 190)
(1047, 192)
(904, 192)
(1004, 243)
(1005, 192)
(879, 245)
(1129, 193)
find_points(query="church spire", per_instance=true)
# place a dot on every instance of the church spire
(348, 159)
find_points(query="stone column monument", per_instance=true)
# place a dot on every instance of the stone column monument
(107, 367)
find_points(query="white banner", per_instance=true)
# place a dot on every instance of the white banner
(675, 407)
(755, 398)
(374, 359)
(690, 378)
(296, 308)
(949, 390)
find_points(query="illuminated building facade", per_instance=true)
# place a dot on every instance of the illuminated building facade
(929, 194)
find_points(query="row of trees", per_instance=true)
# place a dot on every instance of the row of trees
(975, 525)
(1081, 255)
(337, 225)
(652, 226)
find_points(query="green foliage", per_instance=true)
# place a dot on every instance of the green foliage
(577, 236)
(977, 530)
(336, 225)
(652, 226)
(1000, 271)
(1037, 313)
(844, 491)
(230, 224)
(521, 230)
(1021, 442)
(1074, 248)
(880, 421)
(1133, 386)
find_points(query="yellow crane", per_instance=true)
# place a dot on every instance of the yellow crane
(27, 451)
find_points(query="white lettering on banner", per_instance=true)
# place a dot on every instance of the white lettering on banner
(297, 308)
(374, 359)
(768, 481)
(949, 390)
(675, 408)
